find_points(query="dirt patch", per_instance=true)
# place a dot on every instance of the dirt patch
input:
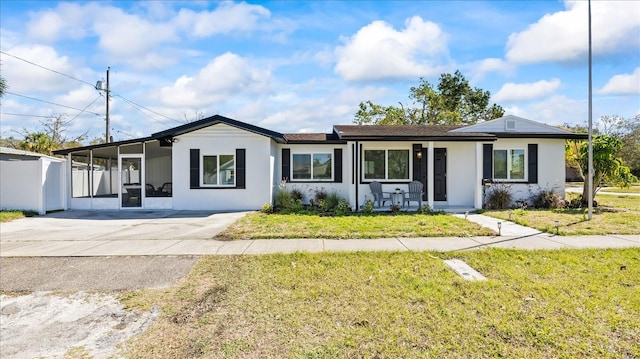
(48, 325)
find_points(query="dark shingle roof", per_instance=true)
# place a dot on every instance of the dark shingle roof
(186, 128)
(312, 138)
(407, 132)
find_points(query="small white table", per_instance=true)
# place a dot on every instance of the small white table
(397, 198)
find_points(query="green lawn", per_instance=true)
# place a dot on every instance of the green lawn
(535, 304)
(614, 215)
(261, 225)
(632, 189)
(10, 215)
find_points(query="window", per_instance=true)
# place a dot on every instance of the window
(386, 164)
(218, 170)
(312, 166)
(509, 164)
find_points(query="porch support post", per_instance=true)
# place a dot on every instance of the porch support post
(477, 203)
(90, 168)
(430, 168)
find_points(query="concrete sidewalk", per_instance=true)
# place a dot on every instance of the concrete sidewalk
(93, 248)
(94, 234)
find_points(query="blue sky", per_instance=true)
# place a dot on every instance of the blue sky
(303, 66)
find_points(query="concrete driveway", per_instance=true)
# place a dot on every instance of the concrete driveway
(118, 225)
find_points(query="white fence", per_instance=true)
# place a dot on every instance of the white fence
(36, 185)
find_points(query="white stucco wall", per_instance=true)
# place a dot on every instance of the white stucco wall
(551, 166)
(309, 188)
(222, 139)
(461, 170)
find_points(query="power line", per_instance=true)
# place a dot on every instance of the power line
(146, 114)
(87, 106)
(23, 115)
(84, 82)
(140, 106)
(51, 103)
(48, 69)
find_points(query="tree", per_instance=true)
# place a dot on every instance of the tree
(3, 86)
(607, 166)
(51, 137)
(452, 102)
(38, 142)
(626, 130)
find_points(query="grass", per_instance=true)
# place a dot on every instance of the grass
(10, 215)
(614, 215)
(261, 225)
(544, 304)
(632, 189)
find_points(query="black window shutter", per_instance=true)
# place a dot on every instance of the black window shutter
(241, 168)
(487, 161)
(286, 164)
(533, 163)
(337, 165)
(194, 168)
(417, 163)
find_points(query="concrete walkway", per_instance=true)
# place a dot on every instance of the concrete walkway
(94, 234)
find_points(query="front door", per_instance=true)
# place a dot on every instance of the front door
(131, 180)
(439, 174)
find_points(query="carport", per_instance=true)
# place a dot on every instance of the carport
(133, 174)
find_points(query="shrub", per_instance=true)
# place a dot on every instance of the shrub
(547, 199)
(282, 199)
(297, 194)
(332, 201)
(343, 207)
(367, 207)
(267, 208)
(499, 196)
(286, 202)
(425, 209)
(320, 195)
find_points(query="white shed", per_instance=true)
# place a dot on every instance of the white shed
(31, 181)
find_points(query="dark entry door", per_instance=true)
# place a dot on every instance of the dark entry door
(440, 174)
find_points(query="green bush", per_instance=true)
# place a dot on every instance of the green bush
(548, 199)
(267, 208)
(499, 196)
(332, 201)
(343, 207)
(367, 207)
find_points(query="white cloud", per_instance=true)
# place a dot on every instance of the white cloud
(24, 78)
(623, 84)
(226, 18)
(225, 76)
(140, 38)
(526, 91)
(378, 51)
(124, 35)
(480, 68)
(563, 36)
(556, 110)
(67, 21)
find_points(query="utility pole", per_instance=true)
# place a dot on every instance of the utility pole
(106, 133)
(590, 144)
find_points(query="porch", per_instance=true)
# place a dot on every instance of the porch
(125, 175)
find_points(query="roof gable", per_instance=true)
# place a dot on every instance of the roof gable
(512, 124)
(216, 119)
